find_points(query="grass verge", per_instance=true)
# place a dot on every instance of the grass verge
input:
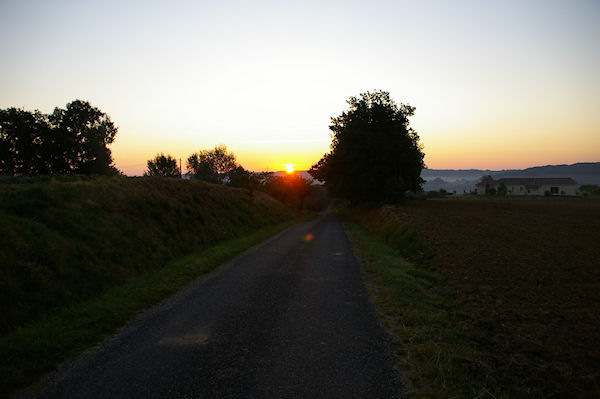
(439, 359)
(29, 352)
(63, 241)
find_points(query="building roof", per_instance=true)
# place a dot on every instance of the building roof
(530, 181)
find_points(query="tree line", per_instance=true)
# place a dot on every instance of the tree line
(68, 141)
(375, 157)
(219, 166)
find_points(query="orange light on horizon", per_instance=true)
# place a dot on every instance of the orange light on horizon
(289, 167)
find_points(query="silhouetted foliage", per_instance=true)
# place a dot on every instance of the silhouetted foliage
(291, 189)
(489, 185)
(162, 165)
(317, 199)
(502, 189)
(212, 165)
(441, 193)
(25, 140)
(487, 179)
(375, 155)
(240, 177)
(319, 170)
(68, 141)
(590, 189)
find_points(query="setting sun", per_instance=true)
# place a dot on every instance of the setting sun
(289, 167)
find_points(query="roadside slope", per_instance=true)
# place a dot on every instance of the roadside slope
(80, 257)
(64, 241)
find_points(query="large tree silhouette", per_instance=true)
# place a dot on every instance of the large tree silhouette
(25, 139)
(68, 141)
(375, 155)
(81, 134)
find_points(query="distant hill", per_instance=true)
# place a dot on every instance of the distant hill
(464, 180)
(458, 174)
(581, 170)
(461, 180)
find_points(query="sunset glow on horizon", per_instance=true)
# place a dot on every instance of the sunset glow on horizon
(496, 85)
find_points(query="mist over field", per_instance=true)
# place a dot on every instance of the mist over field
(464, 180)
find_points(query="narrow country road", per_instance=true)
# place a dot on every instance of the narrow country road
(287, 319)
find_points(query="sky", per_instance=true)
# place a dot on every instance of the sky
(496, 84)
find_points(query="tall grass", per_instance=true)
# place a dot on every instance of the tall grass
(387, 225)
(439, 359)
(66, 240)
(30, 351)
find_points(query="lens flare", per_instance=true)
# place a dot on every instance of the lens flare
(307, 238)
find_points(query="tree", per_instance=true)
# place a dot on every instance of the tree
(489, 184)
(291, 189)
(81, 134)
(241, 178)
(375, 155)
(23, 142)
(68, 141)
(162, 165)
(212, 165)
(502, 189)
(590, 189)
(488, 179)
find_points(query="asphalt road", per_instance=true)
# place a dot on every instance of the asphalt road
(287, 319)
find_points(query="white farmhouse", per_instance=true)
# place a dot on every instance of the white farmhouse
(531, 186)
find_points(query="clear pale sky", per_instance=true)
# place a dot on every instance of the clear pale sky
(496, 84)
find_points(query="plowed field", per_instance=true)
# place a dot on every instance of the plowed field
(527, 274)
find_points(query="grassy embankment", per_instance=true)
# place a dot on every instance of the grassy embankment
(79, 257)
(488, 298)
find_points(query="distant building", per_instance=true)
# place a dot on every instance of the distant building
(531, 186)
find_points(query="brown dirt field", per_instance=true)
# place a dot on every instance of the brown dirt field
(527, 274)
